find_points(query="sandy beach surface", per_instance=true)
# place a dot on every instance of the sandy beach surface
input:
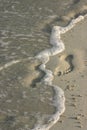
(26, 101)
(70, 70)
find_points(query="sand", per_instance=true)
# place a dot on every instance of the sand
(70, 73)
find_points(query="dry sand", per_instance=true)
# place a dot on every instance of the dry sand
(70, 70)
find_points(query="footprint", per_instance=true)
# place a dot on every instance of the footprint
(65, 65)
(33, 75)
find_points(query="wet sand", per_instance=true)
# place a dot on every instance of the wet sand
(70, 70)
(25, 29)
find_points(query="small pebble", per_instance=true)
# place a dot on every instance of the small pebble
(78, 117)
(81, 126)
(74, 104)
(79, 95)
(74, 99)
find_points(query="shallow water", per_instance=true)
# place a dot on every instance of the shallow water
(25, 27)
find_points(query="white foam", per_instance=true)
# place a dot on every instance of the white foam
(58, 46)
(9, 64)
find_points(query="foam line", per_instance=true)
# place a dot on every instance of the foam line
(58, 46)
(9, 64)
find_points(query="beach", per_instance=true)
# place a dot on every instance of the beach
(43, 72)
(73, 83)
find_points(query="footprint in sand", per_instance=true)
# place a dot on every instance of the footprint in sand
(33, 75)
(65, 65)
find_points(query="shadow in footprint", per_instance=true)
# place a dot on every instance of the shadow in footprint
(47, 28)
(76, 1)
(69, 59)
(38, 79)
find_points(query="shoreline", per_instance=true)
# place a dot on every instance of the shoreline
(43, 72)
(62, 67)
(44, 56)
(74, 82)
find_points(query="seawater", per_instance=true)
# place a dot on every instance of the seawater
(25, 27)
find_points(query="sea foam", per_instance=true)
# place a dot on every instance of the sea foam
(58, 46)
